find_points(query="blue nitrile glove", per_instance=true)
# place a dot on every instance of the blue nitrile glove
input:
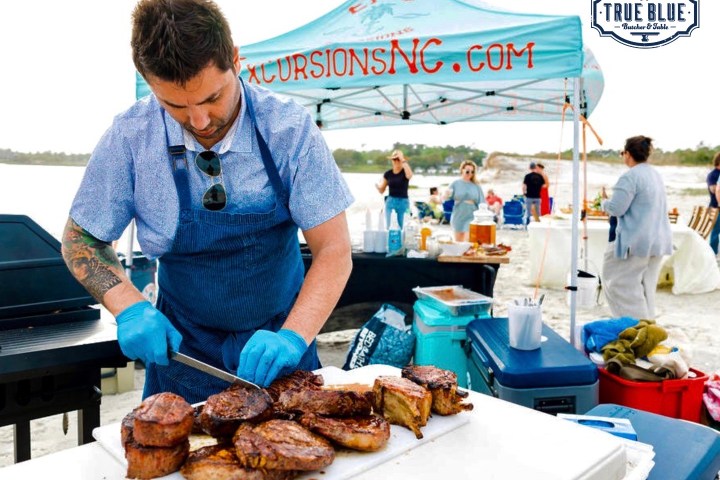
(267, 353)
(145, 333)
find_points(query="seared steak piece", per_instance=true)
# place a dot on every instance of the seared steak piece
(163, 420)
(367, 433)
(281, 445)
(150, 462)
(402, 402)
(197, 428)
(446, 400)
(299, 379)
(224, 411)
(126, 428)
(219, 462)
(333, 403)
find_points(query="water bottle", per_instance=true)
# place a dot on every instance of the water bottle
(411, 229)
(394, 237)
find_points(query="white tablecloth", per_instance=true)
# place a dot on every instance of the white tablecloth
(692, 268)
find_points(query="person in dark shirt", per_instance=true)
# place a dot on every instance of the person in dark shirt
(397, 179)
(714, 191)
(532, 185)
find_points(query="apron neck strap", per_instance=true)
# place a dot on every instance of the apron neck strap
(270, 166)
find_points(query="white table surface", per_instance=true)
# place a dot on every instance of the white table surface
(692, 268)
(501, 441)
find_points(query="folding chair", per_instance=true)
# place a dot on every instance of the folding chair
(447, 210)
(708, 222)
(514, 214)
(697, 216)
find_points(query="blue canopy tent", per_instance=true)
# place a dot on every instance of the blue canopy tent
(408, 62)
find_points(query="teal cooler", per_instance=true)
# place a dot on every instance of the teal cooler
(142, 274)
(440, 338)
(555, 378)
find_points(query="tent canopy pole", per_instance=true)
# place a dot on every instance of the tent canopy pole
(576, 208)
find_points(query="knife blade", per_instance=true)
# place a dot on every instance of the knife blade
(210, 370)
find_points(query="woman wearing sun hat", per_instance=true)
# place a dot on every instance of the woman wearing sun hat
(397, 179)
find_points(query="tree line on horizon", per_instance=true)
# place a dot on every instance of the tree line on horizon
(421, 156)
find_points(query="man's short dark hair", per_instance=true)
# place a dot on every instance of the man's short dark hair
(716, 160)
(174, 40)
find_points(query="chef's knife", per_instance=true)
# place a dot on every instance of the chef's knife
(210, 370)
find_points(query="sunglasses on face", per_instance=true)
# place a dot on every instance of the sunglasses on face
(215, 197)
(395, 159)
(469, 171)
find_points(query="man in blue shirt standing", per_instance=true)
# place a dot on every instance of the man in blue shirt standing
(714, 191)
(218, 175)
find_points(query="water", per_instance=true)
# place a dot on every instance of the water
(45, 194)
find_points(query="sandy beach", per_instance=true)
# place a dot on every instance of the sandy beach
(696, 316)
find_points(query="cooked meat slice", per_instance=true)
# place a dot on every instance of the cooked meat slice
(333, 403)
(402, 402)
(126, 428)
(162, 420)
(197, 427)
(224, 411)
(219, 462)
(299, 379)
(446, 400)
(368, 433)
(281, 445)
(150, 462)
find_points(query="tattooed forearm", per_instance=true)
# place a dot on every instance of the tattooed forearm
(90, 260)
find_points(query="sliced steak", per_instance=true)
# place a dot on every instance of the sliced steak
(150, 462)
(281, 445)
(402, 402)
(299, 379)
(163, 420)
(446, 400)
(219, 462)
(367, 433)
(224, 411)
(332, 403)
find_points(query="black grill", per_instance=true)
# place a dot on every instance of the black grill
(53, 343)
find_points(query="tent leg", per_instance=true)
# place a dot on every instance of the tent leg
(576, 208)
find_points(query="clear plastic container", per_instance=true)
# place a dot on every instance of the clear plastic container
(456, 299)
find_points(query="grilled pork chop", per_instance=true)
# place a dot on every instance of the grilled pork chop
(219, 462)
(281, 445)
(162, 420)
(224, 411)
(149, 462)
(333, 403)
(367, 433)
(446, 399)
(299, 379)
(402, 402)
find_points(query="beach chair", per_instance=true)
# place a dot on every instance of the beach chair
(447, 210)
(424, 210)
(708, 222)
(514, 214)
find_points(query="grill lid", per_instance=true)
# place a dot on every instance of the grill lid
(33, 275)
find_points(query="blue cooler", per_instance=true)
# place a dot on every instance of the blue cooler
(555, 378)
(440, 338)
(683, 450)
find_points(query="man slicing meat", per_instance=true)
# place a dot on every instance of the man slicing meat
(218, 175)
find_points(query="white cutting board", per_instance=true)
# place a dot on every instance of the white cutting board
(347, 462)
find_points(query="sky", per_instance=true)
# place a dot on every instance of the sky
(66, 71)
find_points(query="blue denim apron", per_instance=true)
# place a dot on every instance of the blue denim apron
(226, 276)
